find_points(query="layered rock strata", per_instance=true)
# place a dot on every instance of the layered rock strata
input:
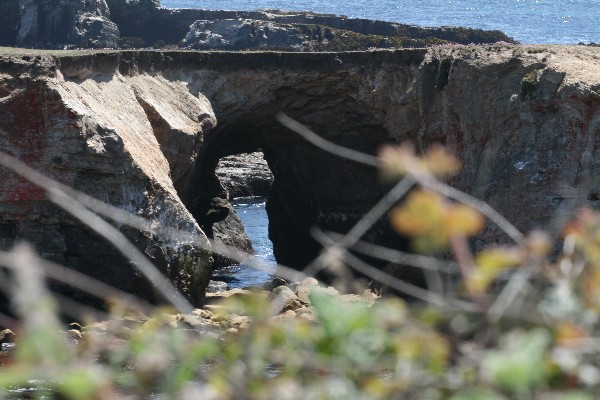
(145, 131)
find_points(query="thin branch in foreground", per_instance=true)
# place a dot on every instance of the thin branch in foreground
(125, 218)
(362, 226)
(326, 145)
(60, 197)
(479, 205)
(396, 283)
(128, 249)
(396, 256)
(79, 281)
(431, 183)
(80, 311)
(515, 286)
(407, 288)
(280, 270)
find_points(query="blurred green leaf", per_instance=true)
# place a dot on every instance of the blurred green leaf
(477, 394)
(518, 365)
(574, 395)
(82, 384)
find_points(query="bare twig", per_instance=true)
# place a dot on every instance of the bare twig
(125, 218)
(80, 311)
(481, 206)
(393, 282)
(515, 286)
(78, 280)
(362, 226)
(414, 260)
(128, 249)
(326, 145)
(282, 271)
(431, 183)
(407, 288)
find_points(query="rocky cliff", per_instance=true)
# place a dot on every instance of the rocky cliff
(58, 23)
(145, 131)
(144, 24)
(122, 139)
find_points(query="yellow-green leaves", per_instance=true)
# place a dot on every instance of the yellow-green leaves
(489, 264)
(397, 161)
(433, 221)
(585, 230)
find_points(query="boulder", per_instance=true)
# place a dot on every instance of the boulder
(94, 31)
(244, 175)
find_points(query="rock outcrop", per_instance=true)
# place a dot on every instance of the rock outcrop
(244, 175)
(112, 137)
(245, 34)
(145, 131)
(56, 24)
(231, 34)
(304, 31)
(133, 24)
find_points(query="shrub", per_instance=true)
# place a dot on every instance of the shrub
(520, 325)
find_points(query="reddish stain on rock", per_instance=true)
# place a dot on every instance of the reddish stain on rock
(25, 125)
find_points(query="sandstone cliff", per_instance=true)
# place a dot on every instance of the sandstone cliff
(137, 129)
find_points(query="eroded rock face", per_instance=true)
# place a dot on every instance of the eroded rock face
(521, 119)
(244, 175)
(102, 132)
(137, 129)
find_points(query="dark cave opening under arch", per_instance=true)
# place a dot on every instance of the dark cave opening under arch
(311, 188)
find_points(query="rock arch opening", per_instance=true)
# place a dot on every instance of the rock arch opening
(311, 188)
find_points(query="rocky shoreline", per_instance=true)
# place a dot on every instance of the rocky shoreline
(215, 319)
(60, 24)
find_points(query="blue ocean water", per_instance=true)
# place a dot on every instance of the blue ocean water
(251, 211)
(528, 21)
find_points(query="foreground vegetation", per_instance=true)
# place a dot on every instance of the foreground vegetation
(510, 322)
